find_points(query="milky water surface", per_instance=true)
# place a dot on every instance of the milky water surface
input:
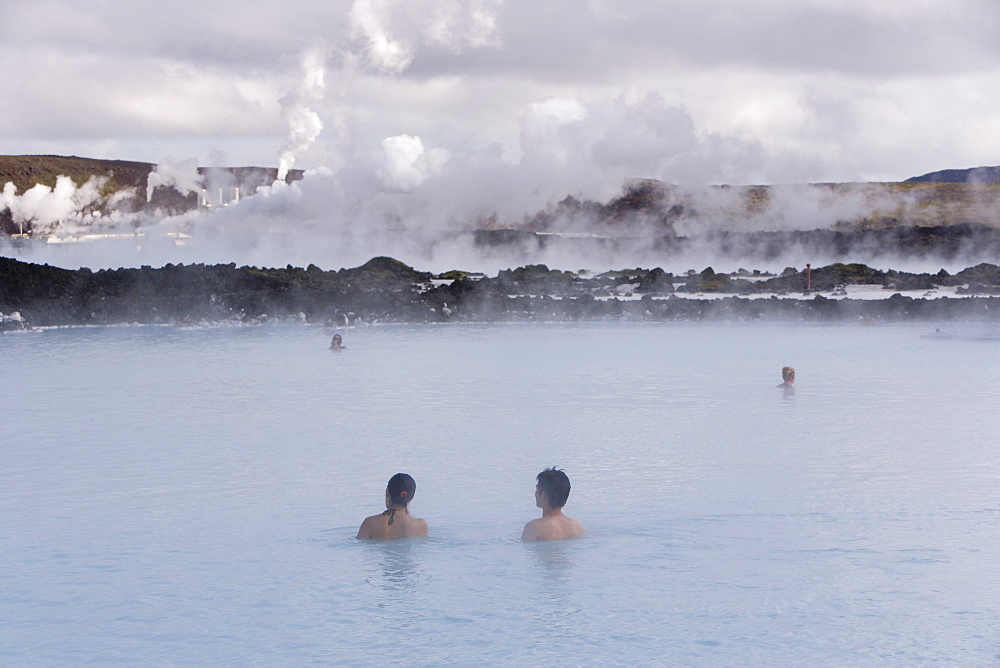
(191, 495)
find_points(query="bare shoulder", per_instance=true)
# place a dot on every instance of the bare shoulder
(368, 527)
(567, 527)
(533, 530)
(412, 527)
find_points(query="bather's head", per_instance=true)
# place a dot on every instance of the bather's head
(400, 490)
(555, 485)
(788, 375)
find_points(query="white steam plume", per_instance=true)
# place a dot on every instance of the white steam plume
(405, 164)
(382, 50)
(391, 31)
(182, 176)
(61, 209)
(304, 124)
(410, 192)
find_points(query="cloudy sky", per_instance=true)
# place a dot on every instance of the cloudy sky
(766, 91)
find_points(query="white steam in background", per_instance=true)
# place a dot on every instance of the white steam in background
(64, 209)
(407, 207)
(182, 176)
(304, 124)
(390, 33)
(405, 164)
(410, 190)
(381, 49)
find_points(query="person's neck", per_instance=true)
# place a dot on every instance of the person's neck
(398, 509)
(551, 512)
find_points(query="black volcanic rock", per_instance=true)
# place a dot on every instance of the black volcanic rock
(709, 281)
(386, 290)
(384, 272)
(988, 274)
(538, 279)
(656, 282)
(898, 280)
(823, 278)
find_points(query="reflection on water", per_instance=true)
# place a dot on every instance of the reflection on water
(395, 569)
(396, 583)
(192, 496)
(553, 558)
(556, 599)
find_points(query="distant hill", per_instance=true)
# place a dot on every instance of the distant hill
(948, 197)
(978, 175)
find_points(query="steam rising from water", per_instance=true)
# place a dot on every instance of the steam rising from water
(406, 206)
(419, 198)
(422, 206)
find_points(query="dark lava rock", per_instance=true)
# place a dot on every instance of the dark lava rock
(386, 290)
(656, 282)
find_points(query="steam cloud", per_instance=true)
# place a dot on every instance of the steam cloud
(418, 197)
(304, 124)
(65, 208)
(182, 176)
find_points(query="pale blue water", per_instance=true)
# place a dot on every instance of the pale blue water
(174, 496)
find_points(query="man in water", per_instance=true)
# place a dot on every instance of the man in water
(787, 377)
(551, 493)
(337, 343)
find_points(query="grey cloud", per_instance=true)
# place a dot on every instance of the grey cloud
(568, 40)
(773, 89)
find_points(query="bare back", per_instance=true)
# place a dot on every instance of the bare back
(404, 525)
(552, 527)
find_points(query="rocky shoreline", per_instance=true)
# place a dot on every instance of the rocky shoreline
(385, 290)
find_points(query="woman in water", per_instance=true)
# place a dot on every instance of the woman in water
(337, 343)
(787, 377)
(396, 521)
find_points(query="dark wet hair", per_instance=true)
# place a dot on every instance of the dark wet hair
(555, 484)
(401, 489)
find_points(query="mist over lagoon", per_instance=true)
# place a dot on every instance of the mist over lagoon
(184, 214)
(635, 235)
